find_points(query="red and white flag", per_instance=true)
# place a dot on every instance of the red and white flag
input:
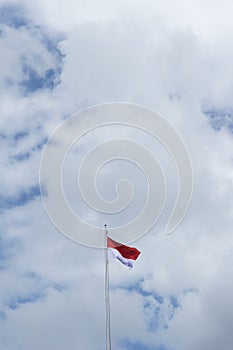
(122, 252)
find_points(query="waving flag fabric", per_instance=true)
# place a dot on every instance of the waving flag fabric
(122, 252)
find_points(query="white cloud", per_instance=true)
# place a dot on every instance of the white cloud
(173, 59)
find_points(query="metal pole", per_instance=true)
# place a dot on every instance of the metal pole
(107, 304)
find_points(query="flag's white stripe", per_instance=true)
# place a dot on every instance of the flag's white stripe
(114, 253)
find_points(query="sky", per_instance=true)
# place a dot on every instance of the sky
(58, 58)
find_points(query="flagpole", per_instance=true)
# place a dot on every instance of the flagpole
(107, 304)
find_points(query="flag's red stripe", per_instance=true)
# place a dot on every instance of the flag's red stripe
(126, 252)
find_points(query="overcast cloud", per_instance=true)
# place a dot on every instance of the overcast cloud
(58, 58)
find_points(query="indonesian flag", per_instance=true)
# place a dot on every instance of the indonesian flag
(122, 252)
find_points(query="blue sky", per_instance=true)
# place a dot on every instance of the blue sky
(57, 58)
